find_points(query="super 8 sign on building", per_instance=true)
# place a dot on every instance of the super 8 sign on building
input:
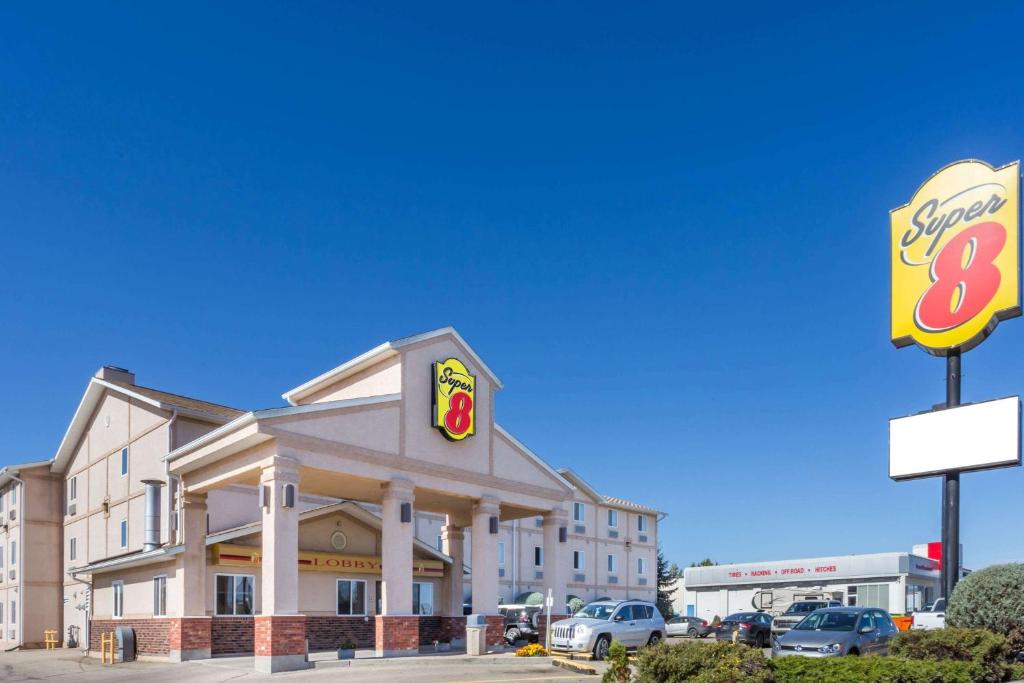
(955, 254)
(454, 399)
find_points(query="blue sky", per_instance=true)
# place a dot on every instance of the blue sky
(665, 228)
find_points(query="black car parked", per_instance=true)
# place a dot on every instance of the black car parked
(752, 628)
(520, 622)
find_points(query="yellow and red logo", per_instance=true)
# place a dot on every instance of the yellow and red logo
(955, 254)
(454, 399)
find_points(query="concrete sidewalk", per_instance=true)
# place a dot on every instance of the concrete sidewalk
(70, 665)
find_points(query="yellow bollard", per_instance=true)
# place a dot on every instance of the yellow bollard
(50, 639)
(735, 637)
(107, 643)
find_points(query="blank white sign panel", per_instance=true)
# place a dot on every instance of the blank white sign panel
(973, 437)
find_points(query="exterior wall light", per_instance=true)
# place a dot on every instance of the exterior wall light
(492, 523)
(563, 534)
(406, 513)
(289, 496)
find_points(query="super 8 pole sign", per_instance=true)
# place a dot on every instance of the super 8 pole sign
(454, 399)
(955, 254)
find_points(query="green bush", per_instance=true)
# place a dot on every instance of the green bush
(991, 598)
(873, 670)
(618, 664)
(702, 663)
(986, 649)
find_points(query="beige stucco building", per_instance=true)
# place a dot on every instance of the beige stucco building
(350, 514)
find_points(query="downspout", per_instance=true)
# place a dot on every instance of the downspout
(173, 491)
(21, 560)
(88, 609)
(515, 559)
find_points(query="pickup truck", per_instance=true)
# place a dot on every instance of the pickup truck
(934, 616)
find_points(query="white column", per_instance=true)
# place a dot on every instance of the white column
(453, 545)
(484, 549)
(396, 549)
(280, 567)
(556, 562)
(189, 600)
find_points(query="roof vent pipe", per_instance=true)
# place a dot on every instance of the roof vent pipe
(151, 532)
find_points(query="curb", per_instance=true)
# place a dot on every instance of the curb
(576, 667)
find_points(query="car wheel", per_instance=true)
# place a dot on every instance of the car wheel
(601, 648)
(854, 652)
(654, 639)
(692, 633)
(512, 635)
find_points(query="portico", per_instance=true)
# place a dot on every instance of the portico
(371, 431)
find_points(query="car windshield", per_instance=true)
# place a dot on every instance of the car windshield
(804, 607)
(596, 610)
(828, 621)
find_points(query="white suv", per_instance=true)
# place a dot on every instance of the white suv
(634, 623)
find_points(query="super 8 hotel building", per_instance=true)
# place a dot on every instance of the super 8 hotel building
(369, 509)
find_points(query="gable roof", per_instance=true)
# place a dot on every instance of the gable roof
(380, 353)
(607, 500)
(94, 391)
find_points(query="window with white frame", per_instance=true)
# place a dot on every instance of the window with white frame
(351, 598)
(117, 608)
(641, 523)
(14, 554)
(440, 544)
(124, 461)
(124, 533)
(423, 599)
(234, 595)
(14, 496)
(72, 549)
(613, 563)
(72, 495)
(1, 560)
(159, 596)
(613, 519)
(579, 560)
(1, 612)
(2, 497)
(538, 556)
(501, 553)
(579, 512)
(14, 613)
(641, 566)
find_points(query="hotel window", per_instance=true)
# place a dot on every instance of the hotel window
(423, 599)
(579, 560)
(14, 496)
(72, 495)
(641, 523)
(118, 607)
(14, 553)
(124, 533)
(124, 461)
(1, 560)
(234, 595)
(869, 595)
(73, 549)
(1, 612)
(501, 553)
(159, 596)
(613, 519)
(440, 544)
(351, 598)
(612, 562)
(578, 512)
(1, 502)
(14, 613)
(538, 556)
(641, 566)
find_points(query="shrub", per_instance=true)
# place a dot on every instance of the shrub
(532, 650)
(873, 669)
(618, 664)
(986, 649)
(575, 605)
(702, 663)
(991, 598)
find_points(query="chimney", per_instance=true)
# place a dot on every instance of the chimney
(112, 373)
(151, 528)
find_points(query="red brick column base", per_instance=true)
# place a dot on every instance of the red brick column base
(495, 632)
(454, 628)
(280, 643)
(189, 638)
(397, 636)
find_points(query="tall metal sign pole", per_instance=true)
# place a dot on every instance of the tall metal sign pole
(955, 262)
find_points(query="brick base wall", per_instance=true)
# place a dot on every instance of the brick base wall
(327, 633)
(232, 635)
(189, 634)
(152, 636)
(542, 621)
(495, 631)
(278, 635)
(453, 628)
(396, 634)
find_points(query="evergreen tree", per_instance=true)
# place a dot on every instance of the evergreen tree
(667, 575)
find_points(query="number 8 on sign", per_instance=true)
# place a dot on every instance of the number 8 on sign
(453, 404)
